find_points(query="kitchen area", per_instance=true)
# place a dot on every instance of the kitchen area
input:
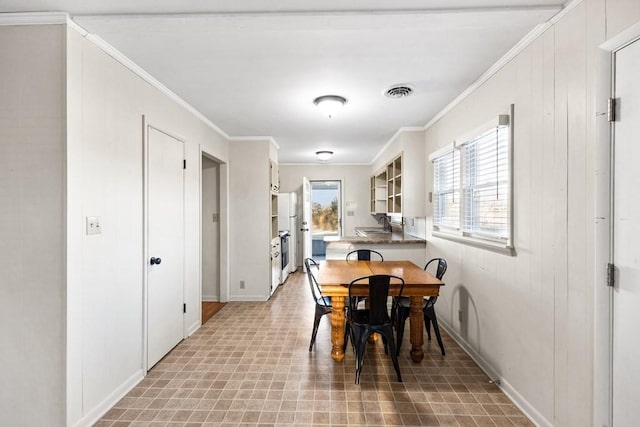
(383, 205)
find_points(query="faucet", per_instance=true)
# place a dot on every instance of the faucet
(386, 222)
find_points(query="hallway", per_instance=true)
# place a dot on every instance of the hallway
(249, 365)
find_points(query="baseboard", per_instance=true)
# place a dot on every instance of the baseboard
(210, 298)
(532, 413)
(194, 327)
(92, 417)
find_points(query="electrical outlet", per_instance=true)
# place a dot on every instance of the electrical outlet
(241, 284)
(93, 225)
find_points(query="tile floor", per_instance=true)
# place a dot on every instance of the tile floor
(250, 366)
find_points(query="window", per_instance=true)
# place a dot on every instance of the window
(472, 188)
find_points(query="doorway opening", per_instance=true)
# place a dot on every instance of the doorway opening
(326, 215)
(210, 227)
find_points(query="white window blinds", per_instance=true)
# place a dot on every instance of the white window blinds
(446, 170)
(486, 184)
(472, 188)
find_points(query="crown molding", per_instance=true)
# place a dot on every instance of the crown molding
(393, 138)
(255, 138)
(504, 60)
(321, 163)
(33, 18)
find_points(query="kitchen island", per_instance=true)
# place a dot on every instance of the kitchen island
(395, 245)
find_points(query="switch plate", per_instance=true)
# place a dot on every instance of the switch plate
(93, 225)
(215, 217)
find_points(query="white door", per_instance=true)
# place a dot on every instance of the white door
(626, 235)
(305, 229)
(165, 234)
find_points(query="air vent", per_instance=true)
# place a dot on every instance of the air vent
(399, 91)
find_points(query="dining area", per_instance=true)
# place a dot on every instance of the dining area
(364, 292)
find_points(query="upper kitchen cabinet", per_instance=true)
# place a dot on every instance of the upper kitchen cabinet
(394, 186)
(274, 179)
(379, 192)
(401, 167)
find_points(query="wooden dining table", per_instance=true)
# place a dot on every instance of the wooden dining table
(335, 276)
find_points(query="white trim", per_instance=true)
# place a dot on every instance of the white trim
(318, 163)
(33, 18)
(91, 417)
(441, 151)
(254, 138)
(136, 69)
(210, 298)
(603, 295)
(393, 138)
(194, 327)
(510, 391)
(506, 58)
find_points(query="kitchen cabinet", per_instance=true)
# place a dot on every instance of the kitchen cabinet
(379, 192)
(274, 179)
(394, 186)
(386, 189)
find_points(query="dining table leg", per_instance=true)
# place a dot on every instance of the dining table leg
(416, 325)
(337, 329)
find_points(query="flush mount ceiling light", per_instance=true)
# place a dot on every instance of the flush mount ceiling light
(330, 104)
(324, 154)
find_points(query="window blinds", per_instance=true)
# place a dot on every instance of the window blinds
(486, 183)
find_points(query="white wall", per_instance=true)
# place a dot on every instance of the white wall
(250, 220)
(210, 231)
(355, 188)
(528, 319)
(32, 226)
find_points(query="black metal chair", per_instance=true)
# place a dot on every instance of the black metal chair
(361, 323)
(364, 255)
(323, 304)
(401, 309)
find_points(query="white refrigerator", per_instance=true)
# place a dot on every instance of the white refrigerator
(287, 221)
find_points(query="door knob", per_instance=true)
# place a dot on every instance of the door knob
(155, 260)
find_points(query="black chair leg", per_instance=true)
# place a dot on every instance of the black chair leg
(394, 356)
(434, 320)
(401, 320)
(361, 345)
(316, 323)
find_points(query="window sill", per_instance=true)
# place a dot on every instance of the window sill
(478, 243)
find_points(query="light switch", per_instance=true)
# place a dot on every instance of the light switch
(216, 217)
(93, 225)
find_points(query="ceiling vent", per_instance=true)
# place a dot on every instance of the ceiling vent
(399, 91)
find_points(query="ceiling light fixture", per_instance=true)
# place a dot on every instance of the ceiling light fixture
(324, 154)
(330, 104)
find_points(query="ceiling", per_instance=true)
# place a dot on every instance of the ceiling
(254, 67)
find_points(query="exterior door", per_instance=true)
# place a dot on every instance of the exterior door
(305, 230)
(626, 235)
(165, 237)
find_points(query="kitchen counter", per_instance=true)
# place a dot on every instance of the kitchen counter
(376, 236)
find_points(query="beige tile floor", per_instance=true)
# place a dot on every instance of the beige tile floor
(250, 366)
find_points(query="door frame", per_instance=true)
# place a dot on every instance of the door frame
(223, 219)
(340, 202)
(146, 124)
(604, 188)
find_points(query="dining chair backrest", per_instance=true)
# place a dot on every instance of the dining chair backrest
(365, 255)
(441, 267)
(312, 268)
(378, 293)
